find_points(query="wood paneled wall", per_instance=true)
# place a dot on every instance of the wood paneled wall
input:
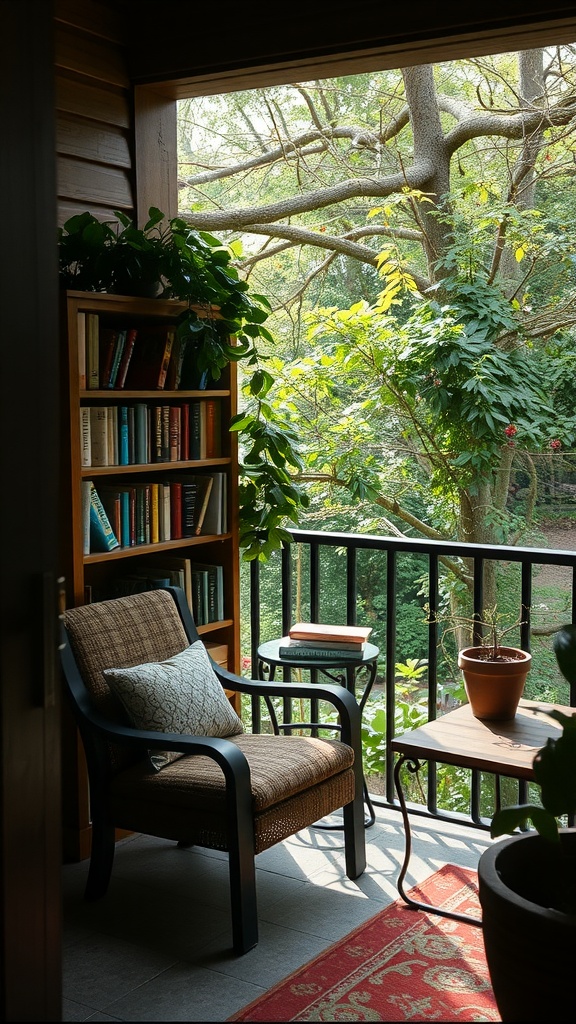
(94, 127)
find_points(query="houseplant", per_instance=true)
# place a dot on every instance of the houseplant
(527, 884)
(167, 259)
(494, 674)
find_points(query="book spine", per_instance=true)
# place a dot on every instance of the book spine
(154, 514)
(156, 420)
(126, 357)
(131, 436)
(99, 435)
(125, 518)
(107, 346)
(141, 432)
(213, 433)
(92, 352)
(87, 486)
(329, 645)
(112, 431)
(195, 427)
(165, 433)
(175, 419)
(123, 445)
(176, 510)
(85, 442)
(166, 358)
(102, 536)
(81, 332)
(189, 491)
(118, 351)
(318, 653)
(185, 432)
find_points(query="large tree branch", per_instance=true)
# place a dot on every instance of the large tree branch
(414, 176)
(512, 126)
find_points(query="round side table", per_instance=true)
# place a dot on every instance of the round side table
(356, 674)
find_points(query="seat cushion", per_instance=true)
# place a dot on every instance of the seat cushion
(295, 780)
(180, 695)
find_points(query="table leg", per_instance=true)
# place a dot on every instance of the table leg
(414, 766)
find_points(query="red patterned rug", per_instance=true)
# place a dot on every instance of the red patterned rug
(401, 965)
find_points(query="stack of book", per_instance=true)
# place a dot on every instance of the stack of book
(313, 640)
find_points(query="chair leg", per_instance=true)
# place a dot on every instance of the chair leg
(101, 859)
(354, 838)
(243, 898)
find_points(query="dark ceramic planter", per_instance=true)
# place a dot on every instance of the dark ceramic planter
(530, 948)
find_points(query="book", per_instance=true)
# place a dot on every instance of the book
(175, 418)
(203, 499)
(197, 430)
(317, 653)
(141, 433)
(319, 631)
(174, 373)
(86, 488)
(123, 436)
(164, 511)
(185, 432)
(118, 351)
(107, 344)
(98, 435)
(175, 510)
(102, 536)
(128, 514)
(92, 352)
(215, 589)
(110, 498)
(214, 517)
(154, 513)
(150, 358)
(112, 417)
(189, 494)
(200, 596)
(85, 440)
(332, 645)
(81, 332)
(180, 572)
(213, 429)
(131, 334)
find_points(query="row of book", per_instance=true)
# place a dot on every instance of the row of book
(148, 357)
(202, 583)
(125, 515)
(141, 433)
(313, 640)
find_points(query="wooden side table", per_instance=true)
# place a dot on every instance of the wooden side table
(351, 673)
(457, 738)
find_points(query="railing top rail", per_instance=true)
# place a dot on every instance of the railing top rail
(499, 552)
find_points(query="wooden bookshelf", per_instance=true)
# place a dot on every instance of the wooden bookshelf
(95, 575)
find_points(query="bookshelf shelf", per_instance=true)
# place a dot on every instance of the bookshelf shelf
(127, 486)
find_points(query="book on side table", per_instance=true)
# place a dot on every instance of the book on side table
(318, 640)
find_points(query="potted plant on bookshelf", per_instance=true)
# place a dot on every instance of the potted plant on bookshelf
(527, 884)
(168, 259)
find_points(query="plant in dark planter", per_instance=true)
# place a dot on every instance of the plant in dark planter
(527, 884)
(168, 259)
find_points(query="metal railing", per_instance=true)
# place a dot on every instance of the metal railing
(436, 555)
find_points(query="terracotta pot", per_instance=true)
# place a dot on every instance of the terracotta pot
(494, 688)
(529, 945)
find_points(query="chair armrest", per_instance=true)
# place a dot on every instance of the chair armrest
(339, 697)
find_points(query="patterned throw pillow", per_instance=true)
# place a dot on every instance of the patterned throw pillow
(181, 695)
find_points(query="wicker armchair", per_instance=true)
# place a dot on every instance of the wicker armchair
(233, 791)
